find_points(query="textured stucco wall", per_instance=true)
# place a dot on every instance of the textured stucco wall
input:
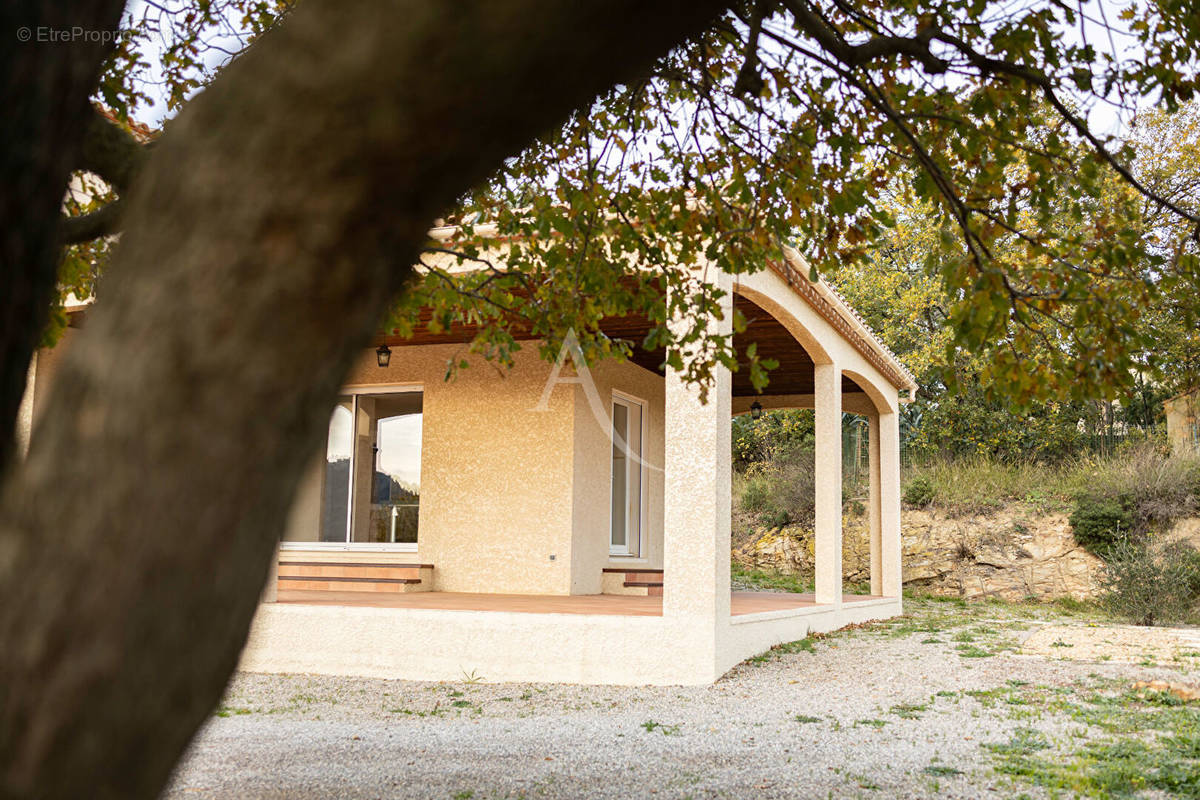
(751, 634)
(505, 485)
(496, 475)
(438, 645)
(593, 473)
(48, 361)
(25, 411)
(426, 644)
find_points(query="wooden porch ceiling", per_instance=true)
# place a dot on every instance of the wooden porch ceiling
(794, 374)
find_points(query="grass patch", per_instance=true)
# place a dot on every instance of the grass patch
(770, 580)
(910, 710)
(941, 771)
(230, 711)
(870, 723)
(651, 726)
(805, 719)
(1150, 742)
(973, 651)
(805, 645)
(1156, 486)
(1024, 741)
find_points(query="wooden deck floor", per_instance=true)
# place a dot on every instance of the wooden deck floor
(618, 605)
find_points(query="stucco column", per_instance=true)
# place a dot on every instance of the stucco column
(697, 459)
(889, 504)
(25, 411)
(270, 592)
(874, 511)
(827, 398)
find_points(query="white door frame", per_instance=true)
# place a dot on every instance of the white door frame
(633, 544)
(354, 391)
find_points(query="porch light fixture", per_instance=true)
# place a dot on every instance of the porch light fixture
(383, 355)
(756, 410)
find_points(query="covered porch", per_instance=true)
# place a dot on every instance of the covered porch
(740, 603)
(519, 561)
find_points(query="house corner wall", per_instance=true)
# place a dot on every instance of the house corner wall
(592, 467)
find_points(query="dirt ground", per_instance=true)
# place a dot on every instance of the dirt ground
(953, 700)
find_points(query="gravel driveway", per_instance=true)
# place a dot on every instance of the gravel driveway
(917, 707)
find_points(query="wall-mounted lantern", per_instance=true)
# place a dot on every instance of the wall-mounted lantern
(383, 355)
(756, 410)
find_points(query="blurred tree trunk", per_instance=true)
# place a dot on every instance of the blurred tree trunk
(44, 90)
(273, 225)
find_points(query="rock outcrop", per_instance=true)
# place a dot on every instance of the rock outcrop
(1011, 554)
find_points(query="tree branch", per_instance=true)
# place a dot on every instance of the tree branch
(857, 55)
(111, 152)
(748, 81)
(105, 221)
(1035, 77)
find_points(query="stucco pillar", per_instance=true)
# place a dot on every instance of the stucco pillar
(25, 411)
(828, 406)
(696, 464)
(874, 510)
(889, 504)
(270, 592)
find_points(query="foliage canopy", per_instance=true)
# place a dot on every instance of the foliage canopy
(799, 122)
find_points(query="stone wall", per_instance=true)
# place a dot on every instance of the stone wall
(1012, 554)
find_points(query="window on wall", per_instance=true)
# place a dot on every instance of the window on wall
(370, 481)
(625, 531)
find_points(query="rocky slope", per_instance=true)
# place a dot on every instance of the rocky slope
(1014, 553)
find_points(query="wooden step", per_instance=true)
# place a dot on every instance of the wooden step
(631, 581)
(633, 570)
(348, 584)
(343, 569)
(355, 576)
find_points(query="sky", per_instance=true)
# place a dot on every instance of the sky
(1104, 118)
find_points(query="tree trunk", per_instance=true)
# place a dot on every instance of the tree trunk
(273, 225)
(45, 99)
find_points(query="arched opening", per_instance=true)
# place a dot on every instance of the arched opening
(781, 532)
(861, 541)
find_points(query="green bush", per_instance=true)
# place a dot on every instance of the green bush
(1139, 491)
(1100, 520)
(756, 494)
(1150, 583)
(919, 492)
(780, 491)
(778, 436)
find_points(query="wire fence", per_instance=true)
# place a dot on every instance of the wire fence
(856, 447)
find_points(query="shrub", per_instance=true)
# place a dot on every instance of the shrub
(756, 495)
(919, 491)
(780, 492)
(980, 485)
(1138, 491)
(1100, 520)
(1151, 583)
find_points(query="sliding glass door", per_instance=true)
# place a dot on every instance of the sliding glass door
(370, 483)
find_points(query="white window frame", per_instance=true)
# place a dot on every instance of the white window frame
(632, 549)
(399, 547)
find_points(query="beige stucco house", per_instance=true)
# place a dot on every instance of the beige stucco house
(555, 523)
(1183, 421)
